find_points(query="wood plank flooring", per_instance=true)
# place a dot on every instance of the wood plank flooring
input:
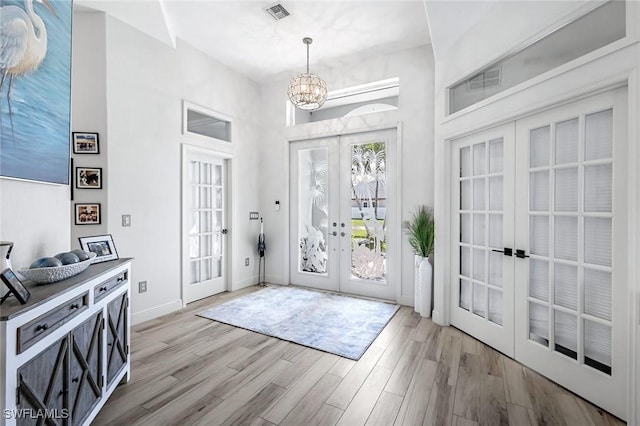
(188, 370)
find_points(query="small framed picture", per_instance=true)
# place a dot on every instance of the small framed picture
(89, 177)
(101, 245)
(85, 143)
(15, 286)
(88, 213)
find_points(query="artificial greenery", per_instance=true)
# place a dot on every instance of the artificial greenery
(421, 230)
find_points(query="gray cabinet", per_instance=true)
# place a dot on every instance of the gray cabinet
(85, 354)
(117, 336)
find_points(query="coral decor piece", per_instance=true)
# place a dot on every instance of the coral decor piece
(313, 251)
(367, 263)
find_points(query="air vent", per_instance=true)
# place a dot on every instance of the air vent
(277, 11)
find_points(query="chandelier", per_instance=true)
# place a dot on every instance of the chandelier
(307, 91)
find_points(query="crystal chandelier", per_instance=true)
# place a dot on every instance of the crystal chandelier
(307, 91)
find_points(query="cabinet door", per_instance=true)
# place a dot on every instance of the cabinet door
(117, 338)
(85, 388)
(42, 386)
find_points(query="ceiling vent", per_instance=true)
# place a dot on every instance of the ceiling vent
(277, 11)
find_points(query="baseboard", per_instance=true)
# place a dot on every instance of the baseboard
(405, 300)
(155, 312)
(436, 317)
(275, 279)
(247, 282)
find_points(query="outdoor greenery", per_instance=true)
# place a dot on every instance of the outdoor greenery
(421, 231)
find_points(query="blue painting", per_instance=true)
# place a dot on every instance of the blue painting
(35, 89)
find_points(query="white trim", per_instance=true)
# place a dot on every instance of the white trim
(156, 311)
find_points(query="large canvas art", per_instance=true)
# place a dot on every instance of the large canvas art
(35, 89)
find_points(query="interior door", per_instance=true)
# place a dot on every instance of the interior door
(571, 316)
(203, 223)
(483, 265)
(343, 224)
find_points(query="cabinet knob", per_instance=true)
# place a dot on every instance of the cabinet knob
(120, 279)
(74, 306)
(42, 327)
(103, 288)
(75, 379)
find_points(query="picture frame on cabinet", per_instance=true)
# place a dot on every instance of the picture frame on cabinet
(15, 286)
(102, 245)
(87, 213)
(86, 143)
(89, 177)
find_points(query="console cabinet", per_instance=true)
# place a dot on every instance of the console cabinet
(66, 350)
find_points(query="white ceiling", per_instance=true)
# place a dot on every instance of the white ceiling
(241, 35)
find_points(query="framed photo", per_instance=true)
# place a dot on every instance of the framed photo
(87, 213)
(101, 245)
(89, 177)
(15, 286)
(85, 143)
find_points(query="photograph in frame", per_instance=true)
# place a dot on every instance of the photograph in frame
(102, 245)
(15, 286)
(87, 213)
(86, 143)
(88, 177)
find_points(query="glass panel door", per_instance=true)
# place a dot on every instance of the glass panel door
(571, 308)
(483, 231)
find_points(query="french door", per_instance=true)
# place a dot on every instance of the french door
(203, 225)
(547, 284)
(343, 224)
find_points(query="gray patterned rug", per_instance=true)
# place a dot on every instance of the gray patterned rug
(341, 325)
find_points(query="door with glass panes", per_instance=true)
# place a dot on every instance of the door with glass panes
(343, 228)
(540, 255)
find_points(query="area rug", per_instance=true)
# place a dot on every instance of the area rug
(338, 324)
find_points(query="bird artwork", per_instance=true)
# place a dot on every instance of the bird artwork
(23, 44)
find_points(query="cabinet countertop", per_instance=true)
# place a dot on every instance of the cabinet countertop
(41, 293)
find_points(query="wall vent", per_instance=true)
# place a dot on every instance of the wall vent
(277, 11)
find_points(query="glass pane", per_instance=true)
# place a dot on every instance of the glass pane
(479, 194)
(598, 188)
(205, 245)
(495, 268)
(218, 204)
(208, 125)
(194, 247)
(566, 334)
(539, 147)
(217, 268)
(478, 264)
(479, 299)
(465, 161)
(368, 234)
(566, 285)
(479, 159)
(566, 184)
(465, 294)
(479, 229)
(217, 244)
(217, 221)
(195, 197)
(539, 279)
(495, 231)
(539, 191)
(495, 156)
(194, 172)
(465, 261)
(194, 276)
(465, 228)
(206, 269)
(539, 323)
(599, 135)
(205, 197)
(566, 238)
(205, 221)
(597, 346)
(597, 293)
(465, 195)
(217, 175)
(597, 241)
(539, 235)
(495, 306)
(567, 141)
(205, 173)
(495, 193)
(194, 227)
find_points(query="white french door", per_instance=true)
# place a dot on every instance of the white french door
(343, 224)
(559, 303)
(203, 225)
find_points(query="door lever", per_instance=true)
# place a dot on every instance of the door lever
(521, 254)
(507, 251)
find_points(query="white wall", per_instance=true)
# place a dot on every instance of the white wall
(415, 112)
(616, 64)
(146, 82)
(89, 112)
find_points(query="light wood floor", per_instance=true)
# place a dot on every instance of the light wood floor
(189, 370)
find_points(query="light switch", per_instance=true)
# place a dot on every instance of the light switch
(126, 220)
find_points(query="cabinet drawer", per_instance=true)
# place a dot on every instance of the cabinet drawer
(101, 290)
(40, 327)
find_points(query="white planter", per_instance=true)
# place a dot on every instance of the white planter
(422, 286)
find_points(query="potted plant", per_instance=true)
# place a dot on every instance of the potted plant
(421, 232)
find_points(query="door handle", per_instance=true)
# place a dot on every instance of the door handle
(507, 251)
(521, 254)
(224, 231)
(342, 234)
(334, 233)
